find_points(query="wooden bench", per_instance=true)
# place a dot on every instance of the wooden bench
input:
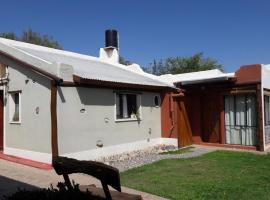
(107, 175)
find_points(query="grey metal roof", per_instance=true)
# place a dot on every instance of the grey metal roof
(85, 66)
(197, 77)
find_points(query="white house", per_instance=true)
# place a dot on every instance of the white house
(55, 102)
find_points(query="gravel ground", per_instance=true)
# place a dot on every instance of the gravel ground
(138, 158)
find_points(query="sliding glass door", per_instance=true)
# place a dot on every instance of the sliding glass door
(240, 119)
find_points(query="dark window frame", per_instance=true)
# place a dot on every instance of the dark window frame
(133, 106)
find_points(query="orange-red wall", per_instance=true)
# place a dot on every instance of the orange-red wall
(195, 116)
(248, 74)
(168, 116)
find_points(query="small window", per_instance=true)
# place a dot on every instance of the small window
(15, 109)
(157, 101)
(127, 106)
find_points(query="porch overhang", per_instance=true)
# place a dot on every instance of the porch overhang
(208, 80)
(84, 82)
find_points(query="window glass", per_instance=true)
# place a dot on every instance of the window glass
(266, 110)
(240, 110)
(157, 101)
(127, 106)
(240, 119)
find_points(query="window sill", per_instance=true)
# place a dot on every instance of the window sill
(127, 120)
(15, 122)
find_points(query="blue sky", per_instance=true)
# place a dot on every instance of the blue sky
(234, 32)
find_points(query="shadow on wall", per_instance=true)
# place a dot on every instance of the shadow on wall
(96, 96)
(60, 92)
(31, 77)
(147, 100)
(106, 97)
(9, 186)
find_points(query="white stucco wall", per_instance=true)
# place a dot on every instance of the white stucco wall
(78, 132)
(266, 76)
(265, 85)
(33, 134)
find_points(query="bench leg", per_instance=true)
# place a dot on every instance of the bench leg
(67, 182)
(106, 191)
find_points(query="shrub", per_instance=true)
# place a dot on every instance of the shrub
(59, 193)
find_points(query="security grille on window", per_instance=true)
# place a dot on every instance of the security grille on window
(15, 107)
(127, 106)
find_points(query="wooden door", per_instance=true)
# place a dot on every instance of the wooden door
(210, 118)
(1, 120)
(183, 124)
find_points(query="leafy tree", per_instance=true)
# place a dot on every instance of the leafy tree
(32, 37)
(178, 65)
(9, 35)
(122, 60)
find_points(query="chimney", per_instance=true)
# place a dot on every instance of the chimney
(110, 52)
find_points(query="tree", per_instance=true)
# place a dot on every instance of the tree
(178, 65)
(122, 60)
(32, 37)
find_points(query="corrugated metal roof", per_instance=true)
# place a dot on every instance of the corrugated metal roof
(196, 77)
(85, 66)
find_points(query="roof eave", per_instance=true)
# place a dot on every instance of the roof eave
(32, 67)
(209, 80)
(79, 81)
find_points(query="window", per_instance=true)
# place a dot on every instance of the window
(240, 119)
(267, 110)
(241, 110)
(157, 101)
(15, 107)
(127, 106)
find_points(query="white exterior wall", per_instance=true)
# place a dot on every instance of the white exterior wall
(265, 85)
(266, 76)
(78, 132)
(31, 138)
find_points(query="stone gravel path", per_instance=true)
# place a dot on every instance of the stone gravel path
(149, 157)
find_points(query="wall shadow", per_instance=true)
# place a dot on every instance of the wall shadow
(95, 96)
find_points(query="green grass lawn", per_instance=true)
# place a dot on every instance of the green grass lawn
(217, 175)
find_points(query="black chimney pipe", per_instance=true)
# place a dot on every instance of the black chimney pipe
(111, 38)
